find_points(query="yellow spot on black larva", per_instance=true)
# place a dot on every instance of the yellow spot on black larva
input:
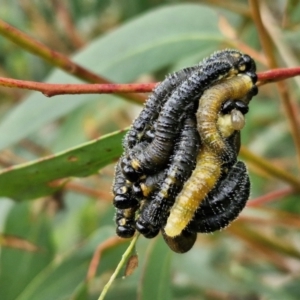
(146, 189)
(242, 68)
(124, 189)
(135, 164)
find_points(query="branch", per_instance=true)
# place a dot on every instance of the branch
(51, 89)
(277, 74)
(55, 58)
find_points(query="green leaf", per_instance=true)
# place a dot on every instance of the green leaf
(81, 293)
(32, 180)
(145, 44)
(64, 278)
(156, 279)
(19, 267)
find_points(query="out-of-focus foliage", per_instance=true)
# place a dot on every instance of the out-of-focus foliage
(48, 243)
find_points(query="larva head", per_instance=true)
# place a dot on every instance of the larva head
(229, 105)
(241, 63)
(146, 229)
(247, 65)
(241, 106)
(130, 169)
(124, 200)
(125, 231)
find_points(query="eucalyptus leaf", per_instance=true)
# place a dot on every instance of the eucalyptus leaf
(60, 279)
(33, 179)
(19, 267)
(155, 281)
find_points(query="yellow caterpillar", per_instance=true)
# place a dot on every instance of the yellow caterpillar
(211, 157)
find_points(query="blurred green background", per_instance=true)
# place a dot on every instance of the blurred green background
(47, 244)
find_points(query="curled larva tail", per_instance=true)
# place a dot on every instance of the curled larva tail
(202, 180)
(181, 243)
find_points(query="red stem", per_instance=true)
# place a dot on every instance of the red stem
(50, 89)
(53, 89)
(277, 75)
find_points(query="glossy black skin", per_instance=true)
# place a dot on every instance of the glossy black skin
(124, 196)
(229, 105)
(155, 213)
(125, 221)
(144, 132)
(122, 189)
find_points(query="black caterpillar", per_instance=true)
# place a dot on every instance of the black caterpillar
(156, 164)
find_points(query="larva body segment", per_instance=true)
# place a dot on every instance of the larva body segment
(122, 190)
(224, 203)
(152, 183)
(181, 165)
(122, 187)
(125, 220)
(201, 182)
